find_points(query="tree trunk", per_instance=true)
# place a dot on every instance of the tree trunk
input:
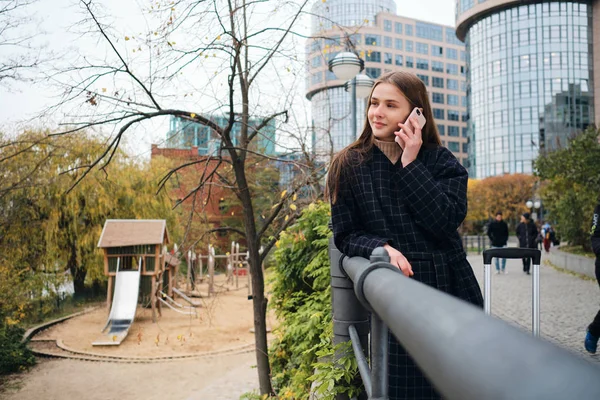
(78, 275)
(259, 301)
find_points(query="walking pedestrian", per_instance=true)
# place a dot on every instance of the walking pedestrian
(498, 234)
(409, 197)
(547, 234)
(527, 232)
(593, 331)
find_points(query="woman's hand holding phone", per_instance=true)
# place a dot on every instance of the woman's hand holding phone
(409, 136)
(397, 259)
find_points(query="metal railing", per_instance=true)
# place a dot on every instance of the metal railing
(463, 352)
(476, 243)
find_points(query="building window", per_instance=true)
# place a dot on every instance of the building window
(453, 146)
(409, 45)
(397, 27)
(437, 82)
(463, 55)
(452, 53)
(438, 113)
(452, 100)
(441, 130)
(387, 58)
(387, 42)
(453, 131)
(372, 40)
(437, 66)
(452, 115)
(316, 62)
(437, 98)
(464, 118)
(437, 51)
(465, 147)
(465, 132)
(398, 43)
(452, 84)
(387, 25)
(463, 101)
(423, 63)
(408, 30)
(409, 62)
(429, 31)
(373, 72)
(399, 60)
(373, 56)
(451, 37)
(451, 69)
(424, 78)
(422, 48)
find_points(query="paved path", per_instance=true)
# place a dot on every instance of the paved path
(567, 303)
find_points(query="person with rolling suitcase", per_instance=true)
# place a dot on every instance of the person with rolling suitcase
(527, 233)
(593, 331)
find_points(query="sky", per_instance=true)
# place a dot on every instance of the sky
(56, 23)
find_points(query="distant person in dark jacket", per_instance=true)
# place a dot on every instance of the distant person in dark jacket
(593, 331)
(498, 234)
(527, 233)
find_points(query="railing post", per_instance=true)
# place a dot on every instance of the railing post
(346, 308)
(379, 344)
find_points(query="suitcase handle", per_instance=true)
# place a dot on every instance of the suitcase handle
(512, 252)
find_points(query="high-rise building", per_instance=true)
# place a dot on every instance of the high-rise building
(185, 134)
(530, 82)
(386, 42)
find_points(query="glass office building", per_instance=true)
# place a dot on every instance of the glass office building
(530, 81)
(386, 42)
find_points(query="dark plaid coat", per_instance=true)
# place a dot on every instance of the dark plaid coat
(417, 210)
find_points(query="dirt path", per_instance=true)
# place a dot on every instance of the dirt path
(222, 378)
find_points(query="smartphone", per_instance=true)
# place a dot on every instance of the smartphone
(418, 114)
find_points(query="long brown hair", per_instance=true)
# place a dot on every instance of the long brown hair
(416, 93)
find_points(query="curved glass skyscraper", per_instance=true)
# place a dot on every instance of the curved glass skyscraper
(530, 81)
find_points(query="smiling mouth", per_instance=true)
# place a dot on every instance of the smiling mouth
(378, 124)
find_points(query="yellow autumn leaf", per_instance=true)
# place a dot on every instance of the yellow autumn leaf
(283, 193)
(219, 37)
(293, 207)
(126, 38)
(287, 217)
(295, 197)
(103, 90)
(193, 115)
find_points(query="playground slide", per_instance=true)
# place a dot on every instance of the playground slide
(122, 311)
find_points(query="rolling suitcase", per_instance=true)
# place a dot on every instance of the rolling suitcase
(514, 252)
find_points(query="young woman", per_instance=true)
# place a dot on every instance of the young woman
(408, 197)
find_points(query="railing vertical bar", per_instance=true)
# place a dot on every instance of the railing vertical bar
(361, 360)
(379, 358)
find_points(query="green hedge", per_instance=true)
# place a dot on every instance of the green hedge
(301, 298)
(14, 355)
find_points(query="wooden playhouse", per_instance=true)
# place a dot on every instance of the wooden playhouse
(129, 243)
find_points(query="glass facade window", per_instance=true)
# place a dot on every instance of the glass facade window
(452, 84)
(316, 62)
(451, 37)
(464, 118)
(334, 13)
(437, 82)
(452, 53)
(451, 69)
(398, 44)
(437, 98)
(453, 146)
(452, 99)
(429, 31)
(372, 40)
(409, 45)
(463, 55)
(424, 78)
(422, 48)
(387, 58)
(452, 115)
(465, 132)
(409, 62)
(528, 84)
(373, 56)
(399, 60)
(465, 5)
(387, 25)
(437, 51)
(408, 30)
(373, 72)
(356, 38)
(437, 66)
(398, 27)
(438, 113)
(454, 132)
(423, 63)
(465, 147)
(441, 130)
(387, 42)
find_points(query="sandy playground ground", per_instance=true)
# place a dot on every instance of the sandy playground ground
(223, 323)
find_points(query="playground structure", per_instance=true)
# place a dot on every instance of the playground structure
(237, 265)
(137, 268)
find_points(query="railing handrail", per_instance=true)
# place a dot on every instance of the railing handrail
(465, 353)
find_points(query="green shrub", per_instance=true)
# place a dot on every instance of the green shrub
(14, 355)
(301, 298)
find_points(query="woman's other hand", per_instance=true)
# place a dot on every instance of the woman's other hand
(397, 259)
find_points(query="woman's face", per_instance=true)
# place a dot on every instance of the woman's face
(388, 107)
